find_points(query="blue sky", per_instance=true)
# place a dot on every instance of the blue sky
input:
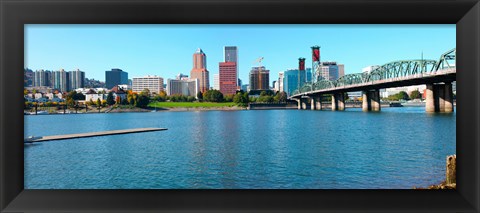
(166, 50)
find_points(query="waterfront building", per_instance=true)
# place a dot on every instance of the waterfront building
(181, 76)
(187, 87)
(259, 78)
(228, 77)
(245, 87)
(239, 84)
(61, 80)
(115, 77)
(77, 79)
(216, 81)
(329, 70)
(293, 78)
(42, 78)
(408, 89)
(341, 70)
(280, 81)
(153, 83)
(199, 70)
(230, 54)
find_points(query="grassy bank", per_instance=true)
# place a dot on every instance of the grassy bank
(189, 104)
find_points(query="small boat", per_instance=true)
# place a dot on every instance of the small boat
(396, 105)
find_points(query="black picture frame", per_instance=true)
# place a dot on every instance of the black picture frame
(464, 13)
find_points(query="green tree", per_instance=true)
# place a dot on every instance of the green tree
(200, 95)
(345, 96)
(99, 103)
(142, 101)
(415, 94)
(229, 98)
(402, 95)
(280, 97)
(241, 98)
(110, 100)
(213, 96)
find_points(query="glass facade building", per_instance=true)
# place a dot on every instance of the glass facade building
(115, 77)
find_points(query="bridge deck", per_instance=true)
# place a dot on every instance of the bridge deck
(91, 134)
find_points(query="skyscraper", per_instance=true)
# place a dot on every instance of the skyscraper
(216, 81)
(230, 54)
(228, 77)
(115, 77)
(77, 79)
(259, 78)
(199, 70)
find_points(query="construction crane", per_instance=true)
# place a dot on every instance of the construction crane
(259, 61)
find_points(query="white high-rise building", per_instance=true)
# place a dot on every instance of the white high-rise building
(216, 81)
(187, 87)
(153, 83)
(280, 81)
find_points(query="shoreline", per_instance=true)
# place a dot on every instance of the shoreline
(144, 110)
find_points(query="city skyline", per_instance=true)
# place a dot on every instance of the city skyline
(166, 50)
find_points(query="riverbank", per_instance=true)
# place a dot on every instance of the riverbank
(174, 106)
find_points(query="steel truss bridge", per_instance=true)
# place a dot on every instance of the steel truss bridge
(390, 72)
(393, 74)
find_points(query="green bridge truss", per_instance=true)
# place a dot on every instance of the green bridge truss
(390, 70)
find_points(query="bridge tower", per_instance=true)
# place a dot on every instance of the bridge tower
(316, 67)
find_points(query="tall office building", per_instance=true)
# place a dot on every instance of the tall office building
(187, 87)
(341, 70)
(216, 81)
(42, 78)
(294, 78)
(115, 77)
(77, 79)
(259, 78)
(153, 83)
(199, 70)
(228, 77)
(230, 54)
(280, 82)
(329, 70)
(181, 76)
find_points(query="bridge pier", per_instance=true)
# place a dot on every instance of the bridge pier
(366, 106)
(371, 100)
(318, 103)
(338, 102)
(439, 98)
(299, 103)
(375, 102)
(312, 103)
(304, 104)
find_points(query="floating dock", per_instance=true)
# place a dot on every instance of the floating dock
(90, 134)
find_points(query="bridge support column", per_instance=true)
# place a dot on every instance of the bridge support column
(299, 103)
(312, 103)
(318, 102)
(439, 98)
(448, 97)
(429, 99)
(304, 104)
(334, 102)
(366, 106)
(341, 101)
(375, 100)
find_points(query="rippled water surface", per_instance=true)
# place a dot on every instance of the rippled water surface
(265, 149)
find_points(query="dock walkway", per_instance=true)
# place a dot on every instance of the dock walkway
(90, 134)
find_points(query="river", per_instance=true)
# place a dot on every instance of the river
(397, 148)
